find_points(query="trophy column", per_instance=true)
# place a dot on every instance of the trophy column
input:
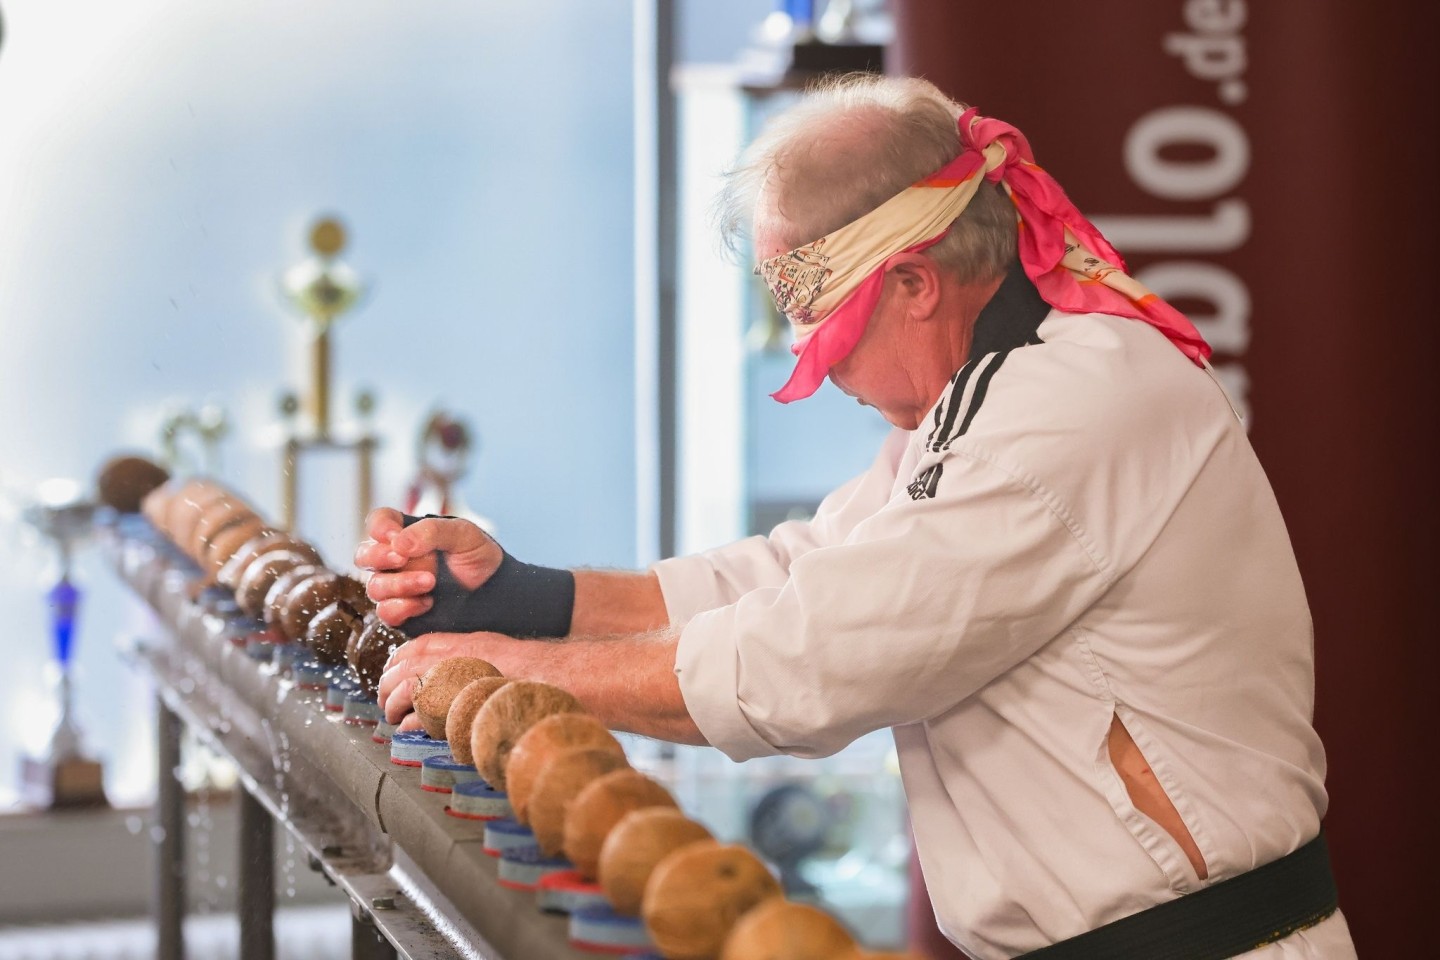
(322, 289)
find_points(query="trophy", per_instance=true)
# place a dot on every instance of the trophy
(443, 456)
(322, 289)
(64, 777)
(208, 425)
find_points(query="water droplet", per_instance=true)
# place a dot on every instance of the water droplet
(134, 824)
(157, 834)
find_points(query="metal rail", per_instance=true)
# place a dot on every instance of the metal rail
(420, 884)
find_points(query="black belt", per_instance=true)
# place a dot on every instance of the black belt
(1225, 920)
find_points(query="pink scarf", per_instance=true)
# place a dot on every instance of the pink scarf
(1072, 265)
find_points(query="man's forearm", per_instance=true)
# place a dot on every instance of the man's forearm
(627, 681)
(610, 602)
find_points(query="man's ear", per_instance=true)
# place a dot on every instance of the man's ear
(919, 280)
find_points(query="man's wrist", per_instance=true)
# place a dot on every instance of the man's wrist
(519, 599)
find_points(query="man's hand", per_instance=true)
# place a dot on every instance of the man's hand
(402, 560)
(628, 682)
(411, 660)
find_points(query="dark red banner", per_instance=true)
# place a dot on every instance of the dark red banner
(1270, 168)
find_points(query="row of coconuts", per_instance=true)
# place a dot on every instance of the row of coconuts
(275, 577)
(568, 779)
(565, 774)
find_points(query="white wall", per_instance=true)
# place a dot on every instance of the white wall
(159, 162)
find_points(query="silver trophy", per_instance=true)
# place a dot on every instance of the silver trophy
(64, 776)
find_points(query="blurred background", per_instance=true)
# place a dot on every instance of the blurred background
(523, 190)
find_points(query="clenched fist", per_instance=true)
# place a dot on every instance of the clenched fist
(402, 559)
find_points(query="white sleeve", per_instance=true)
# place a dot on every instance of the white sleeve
(920, 606)
(721, 576)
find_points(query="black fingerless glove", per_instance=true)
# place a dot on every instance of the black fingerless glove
(520, 600)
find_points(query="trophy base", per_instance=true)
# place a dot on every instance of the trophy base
(62, 784)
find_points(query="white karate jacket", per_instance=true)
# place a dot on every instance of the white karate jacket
(1079, 531)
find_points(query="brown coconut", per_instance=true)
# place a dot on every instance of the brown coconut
(261, 575)
(184, 511)
(435, 691)
(461, 718)
(515, 708)
(280, 589)
(782, 930)
(248, 552)
(562, 731)
(125, 481)
(599, 806)
(226, 543)
(217, 516)
(308, 597)
(257, 549)
(557, 785)
(170, 499)
(330, 631)
(371, 650)
(156, 504)
(697, 893)
(219, 546)
(635, 845)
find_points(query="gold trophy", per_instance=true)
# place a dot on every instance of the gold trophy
(323, 288)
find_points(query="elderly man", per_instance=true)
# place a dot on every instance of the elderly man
(1064, 582)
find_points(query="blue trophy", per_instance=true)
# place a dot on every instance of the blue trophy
(64, 776)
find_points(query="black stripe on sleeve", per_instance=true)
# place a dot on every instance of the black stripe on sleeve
(981, 386)
(957, 397)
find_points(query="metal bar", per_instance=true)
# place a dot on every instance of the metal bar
(366, 943)
(357, 816)
(257, 880)
(290, 484)
(365, 451)
(666, 256)
(170, 852)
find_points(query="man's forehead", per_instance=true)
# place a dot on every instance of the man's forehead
(770, 233)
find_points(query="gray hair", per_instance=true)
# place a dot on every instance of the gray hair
(849, 145)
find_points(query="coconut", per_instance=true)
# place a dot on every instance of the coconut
(635, 845)
(330, 630)
(352, 591)
(217, 516)
(370, 651)
(125, 481)
(184, 511)
(599, 806)
(253, 551)
(563, 731)
(261, 575)
(175, 491)
(461, 718)
(226, 543)
(861, 954)
(781, 930)
(557, 785)
(280, 589)
(513, 709)
(300, 604)
(156, 503)
(695, 895)
(437, 688)
(248, 552)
